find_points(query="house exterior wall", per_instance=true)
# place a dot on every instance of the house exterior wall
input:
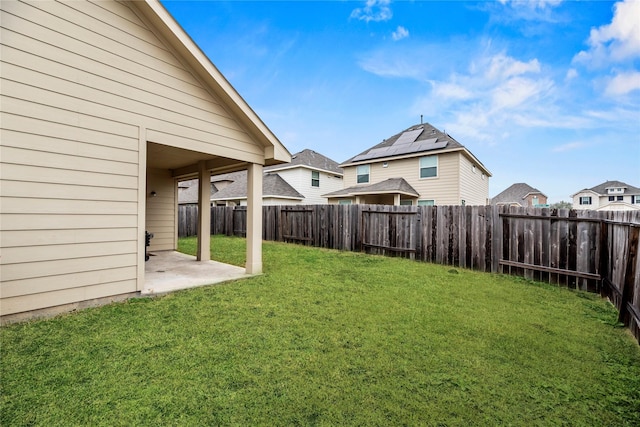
(474, 183)
(529, 200)
(272, 201)
(599, 202)
(85, 85)
(595, 200)
(300, 179)
(161, 209)
(444, 188)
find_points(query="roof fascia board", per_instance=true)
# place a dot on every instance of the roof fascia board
(287, 167)
(372, 193)
(184, 45)
(473, 158)
(587, 190)
(401, 157)
(264, 196)
(532, 193)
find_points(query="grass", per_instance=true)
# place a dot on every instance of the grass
(329, 338)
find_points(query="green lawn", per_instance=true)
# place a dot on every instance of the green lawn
(329, 338)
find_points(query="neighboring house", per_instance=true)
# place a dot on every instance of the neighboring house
(419, 166)
(608, 196)
(521, 194)
(302, 181)
(311, 174)
(231, 190)
(105, 105)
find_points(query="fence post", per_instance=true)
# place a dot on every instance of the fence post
(629, 275)
(603, 266)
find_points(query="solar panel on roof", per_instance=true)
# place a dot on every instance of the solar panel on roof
(408, 137)
(428, 145)
(404, 148)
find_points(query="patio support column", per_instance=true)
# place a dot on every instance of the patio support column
(254, 219)
(396, 199)
(204, 212)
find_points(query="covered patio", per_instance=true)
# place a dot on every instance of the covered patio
(168, 271)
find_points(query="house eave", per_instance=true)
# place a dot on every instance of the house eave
(420, 154)
(288, 167)
(586, 190)
(174, 34)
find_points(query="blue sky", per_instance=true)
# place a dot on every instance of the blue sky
(545, 92)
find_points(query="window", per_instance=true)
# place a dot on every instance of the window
(363, 174)
(585, 200)
(620, 198)
(344, 202)
(315, 179)
(428, 167)
(429, 202)
(635, 199)
(406, 202)
(612, 198)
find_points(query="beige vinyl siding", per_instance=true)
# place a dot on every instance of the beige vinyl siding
(125, 75)
(83, 84)
(473, 189)
(444, 188)
(300, 179)
(161, 209)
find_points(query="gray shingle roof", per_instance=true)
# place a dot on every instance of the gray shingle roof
(421, 144)
(272, 185)
(311, 159)
(188, 191)
(391, 185)
(602, 188)
(515, 194)
(414, 141)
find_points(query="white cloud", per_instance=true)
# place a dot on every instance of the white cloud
(572, 73)
(567, 147)
(496, 94)
(450, 91)
(617, 41)
(518, 91)
(532, 4)
(400, 33)
(623, 83)
(502, 67)
(374, 10)
(526, 13)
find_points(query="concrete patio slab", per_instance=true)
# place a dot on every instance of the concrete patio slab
(168, 271)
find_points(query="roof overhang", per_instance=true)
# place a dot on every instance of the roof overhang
(586, 190)
(285, 166)
(464, 151)
(532, 193)
(173, 34)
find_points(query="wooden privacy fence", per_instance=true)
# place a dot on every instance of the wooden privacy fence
(587, 250)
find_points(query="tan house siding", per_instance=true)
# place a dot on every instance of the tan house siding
(443, 188)
(68, 209)
(160, 215)
(105, 71)
(83, 86)
(474, 190)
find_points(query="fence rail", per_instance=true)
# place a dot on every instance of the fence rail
(587, 250)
